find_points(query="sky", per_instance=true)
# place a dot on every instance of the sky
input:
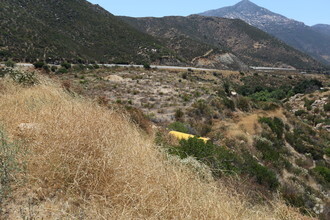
(308, 11)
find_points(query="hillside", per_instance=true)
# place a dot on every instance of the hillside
(322, 28)
(294, 33)
(69, 158)
(250, 45)
(268, 129)
(74, 30)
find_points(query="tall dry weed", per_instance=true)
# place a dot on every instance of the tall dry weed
(89, 162)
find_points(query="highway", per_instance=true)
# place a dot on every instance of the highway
(134, 66)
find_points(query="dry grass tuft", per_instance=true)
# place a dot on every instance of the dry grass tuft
(89, 162)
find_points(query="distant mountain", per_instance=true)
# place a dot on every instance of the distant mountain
(78, 31)
(73, 30)
(221, 40)
(294, 33)
(322, 28)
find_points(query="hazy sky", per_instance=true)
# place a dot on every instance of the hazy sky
(309, 11)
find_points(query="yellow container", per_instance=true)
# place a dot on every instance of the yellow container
(180, 136)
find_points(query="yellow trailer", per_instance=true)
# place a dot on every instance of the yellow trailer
(180, 136)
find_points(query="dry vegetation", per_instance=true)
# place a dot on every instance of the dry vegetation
(88, 162)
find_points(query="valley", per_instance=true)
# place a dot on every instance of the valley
(219, 115)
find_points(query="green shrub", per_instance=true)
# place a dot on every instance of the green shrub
(26, 79)
(220, 160)
(62, 70)
(226, 87)
(262, 174)
(80, 67)
(275, 124)
(266, 95)
(243, 104)
(324, 172)
(10, 63)
(307, 86)
(269, 152)
(300, 112)
(46, 68)
(269, 106)
(66, 65)
(327, 151)
(301, 141)
(4, 71)
(202, 108)
(147, 66)
(308, 104)
(178, 126)
(38, 65)
(228, 103)
(326, 107)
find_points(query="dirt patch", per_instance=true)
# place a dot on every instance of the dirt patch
(114, 78)
(246, 125)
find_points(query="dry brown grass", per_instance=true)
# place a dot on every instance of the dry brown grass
(89, 162)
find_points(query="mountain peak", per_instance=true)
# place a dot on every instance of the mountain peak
(245, 2)
(293, 32)
(246, 5)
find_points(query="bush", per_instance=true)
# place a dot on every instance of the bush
(26, 79)
(226, 87)
(80, 67)
(146, 66)
(300, 112)
(276, 125)
(220, 160)
(46, 68)
(38, 65)
(62, 70)
(243, 104)
(263, 175)
(292, 195)
(202, 108)
(266, 95)
(324, 172)
(307, 86)
(298, 140)
(10, 63)
(53, 69)
(327, 151)
(229, 103)
(269, 153)
(178, 114)
(66, 65)
(308, 104)
(178, 126)
(326, 107)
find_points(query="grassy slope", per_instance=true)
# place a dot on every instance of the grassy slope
(85, 161)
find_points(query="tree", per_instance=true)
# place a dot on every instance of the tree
(10, 63)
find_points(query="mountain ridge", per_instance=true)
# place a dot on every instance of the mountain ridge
(322, 28)
(73, 30)
(253, 46)
(292, 32)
